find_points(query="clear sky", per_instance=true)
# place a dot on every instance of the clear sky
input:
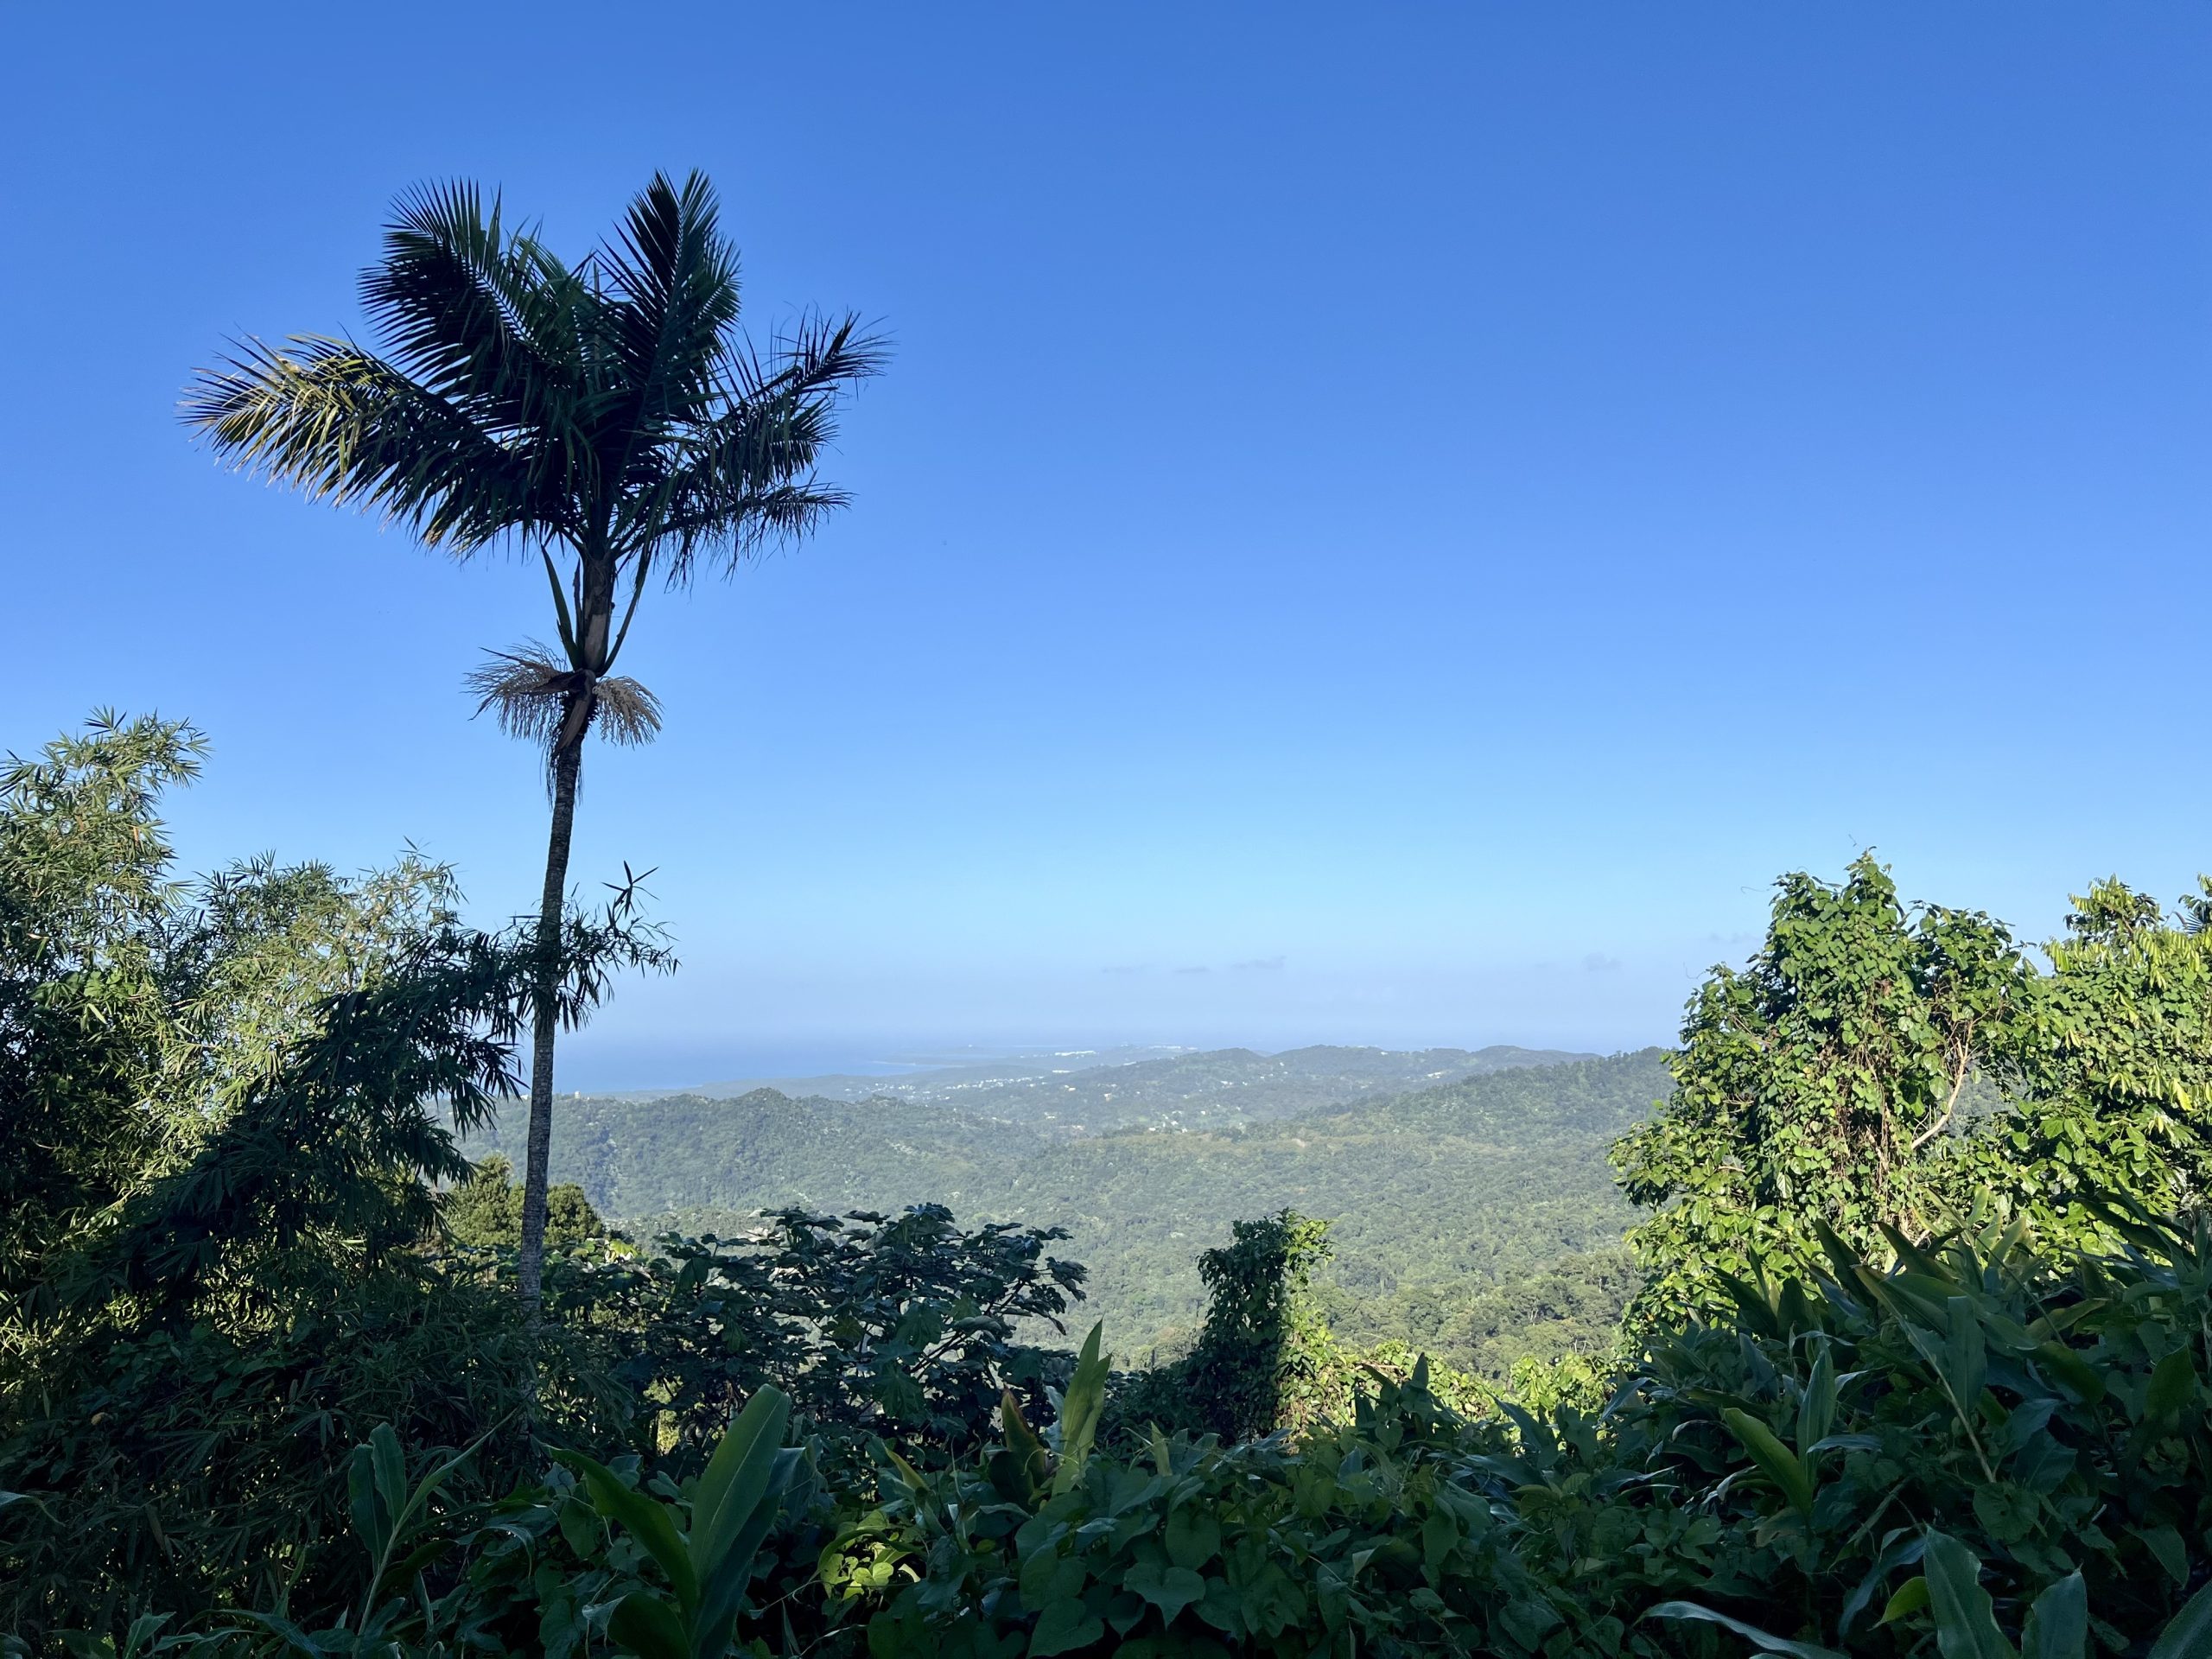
(1387, 523)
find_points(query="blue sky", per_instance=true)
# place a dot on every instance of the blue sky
(1386, 523)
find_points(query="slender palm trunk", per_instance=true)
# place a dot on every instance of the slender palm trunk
(568, 765)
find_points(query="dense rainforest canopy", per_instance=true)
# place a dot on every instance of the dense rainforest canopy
(1918, 1284)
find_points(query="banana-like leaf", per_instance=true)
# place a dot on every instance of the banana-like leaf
(648, 1627)
(2058, 1622)
(1752, 1302)
(2189, 1635)
(2173, 1384)
(735, 1483)
(1911, 1257)
(1031, 1457)
(1965, 1355)
(1081, 1407)
(1775, 1460)
(722, 1585)
(1911, 1597)
(1816, 1405)
(1966, 1620)
(375, 1487)
(290, 1634)
(1765, 1641)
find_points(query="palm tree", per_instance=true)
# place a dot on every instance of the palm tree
(607, 417)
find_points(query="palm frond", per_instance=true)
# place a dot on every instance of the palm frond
(675, 282)
(340, 425)
(745, 479)
(480, 317)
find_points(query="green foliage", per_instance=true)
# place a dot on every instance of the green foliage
(708, 1561)
(179, 1470)
(1264, 1357)
(1833, 1082)
(1499, 1181)
(1568, 1309)
(900, 1326)
(85, 901)
(236, 1094)
(1216, 1088)
(1943, 1389)
(1979, 1451)
(484, 1212)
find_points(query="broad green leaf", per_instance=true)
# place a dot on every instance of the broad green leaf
(1171, 1589)
(1048, 1578)
(648, 1627)
(2058, 1622)
(1966, 1620)
(1064, 1626)
(1816, 1405)
(1911, 1597)
(2189, 1635)
(1761, 1639)
(1194, 1534)
(2173, 1384)
(722, 1586)
(735, 1483)
(1775, 1460)
(290, 1634)
(390, 1461)
(1965, 1358)
(370, 1525)
(1439, 1534)
(2075, 1372)
(2164, 1544)
(1080, 1408)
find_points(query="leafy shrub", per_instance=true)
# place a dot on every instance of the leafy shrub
(904, 1327)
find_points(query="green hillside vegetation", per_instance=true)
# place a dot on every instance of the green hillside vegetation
(1107, 1089)
(1221, 1087)
(1908, 1372)
(1436, 1197)
(931, 1077)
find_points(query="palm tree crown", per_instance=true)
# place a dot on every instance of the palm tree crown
(609, 411)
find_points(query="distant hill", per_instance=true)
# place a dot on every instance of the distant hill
(1231, 1085)
(683, 1152)
(1439, 1196)
(939, 1080)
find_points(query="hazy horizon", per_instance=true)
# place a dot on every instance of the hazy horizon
(623, 1067)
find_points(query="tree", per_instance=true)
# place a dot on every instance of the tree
(1877, 1066)
(86, 900)
(485, 1211)
(608, 416)
(1819, 1083)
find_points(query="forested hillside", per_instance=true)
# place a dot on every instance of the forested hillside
(1903, 1379)
(1439, 1198)
(1229, 1085)
(1092, 1091)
